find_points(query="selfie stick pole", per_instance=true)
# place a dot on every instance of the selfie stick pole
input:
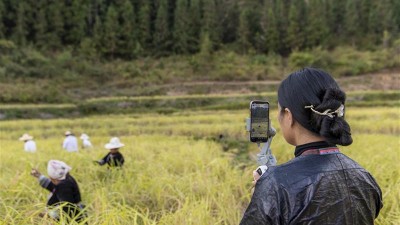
(265, 157)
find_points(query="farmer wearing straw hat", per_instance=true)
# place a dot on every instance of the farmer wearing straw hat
(30, 145)
(114, 158)
(70, 142)
(85, 141)
(64, 190)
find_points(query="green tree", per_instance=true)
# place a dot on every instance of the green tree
(211, 26)
(270, 29)
(283, 46)
(364, 8)
(388, 22)
(40, 27)
(194, 26)
(111, 28)
(144, 25)
(132, 28)
(128, 31)
(396, 14)
(250, 30)
(162, 33)
(55, 25)
(206, 46)
(244, 31)
(335, 21)
(97, 37)
(352, 21)
(317, 29)
(2, 27)
(389, 19)
(74, 13)
(230, 21)
(375, 27)
(181, 27)
(21, 29)
(87, 49)
(297, 24)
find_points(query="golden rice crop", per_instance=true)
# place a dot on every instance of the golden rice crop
(174, 173)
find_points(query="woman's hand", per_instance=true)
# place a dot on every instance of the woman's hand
(258, 173)
(35, 173)
(256, 176)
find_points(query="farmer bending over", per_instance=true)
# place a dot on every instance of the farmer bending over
(63, 188)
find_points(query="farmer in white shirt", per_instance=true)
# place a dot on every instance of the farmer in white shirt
(70, 142)
(85, 141)
(30, 145)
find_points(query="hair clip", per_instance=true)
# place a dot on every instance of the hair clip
(339, 111)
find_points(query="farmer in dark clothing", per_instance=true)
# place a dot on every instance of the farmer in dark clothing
(320, 185)
(64, 190)
(114, 158)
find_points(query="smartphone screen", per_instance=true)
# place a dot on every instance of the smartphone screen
(259, 117)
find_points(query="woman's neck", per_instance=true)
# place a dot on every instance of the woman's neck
(306, 140)
(304, 136)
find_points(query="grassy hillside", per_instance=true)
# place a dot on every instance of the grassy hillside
(29, 76)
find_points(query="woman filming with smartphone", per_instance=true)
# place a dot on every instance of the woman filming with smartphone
(320, 185)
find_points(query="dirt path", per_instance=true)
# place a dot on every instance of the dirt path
(379, 80)
(206, 83)
(384, 80)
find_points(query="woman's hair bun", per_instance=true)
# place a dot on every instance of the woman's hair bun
(316, 103)
(336, 130)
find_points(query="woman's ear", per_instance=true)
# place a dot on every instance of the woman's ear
(289, 116)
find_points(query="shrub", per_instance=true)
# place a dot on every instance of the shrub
(6, 46)
(301, 59)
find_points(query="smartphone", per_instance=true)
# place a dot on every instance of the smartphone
(259, 121)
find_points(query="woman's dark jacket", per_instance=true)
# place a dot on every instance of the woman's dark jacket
(65, 191)
(315, 189)
(113, 160)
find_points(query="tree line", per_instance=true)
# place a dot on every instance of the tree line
(135, 28)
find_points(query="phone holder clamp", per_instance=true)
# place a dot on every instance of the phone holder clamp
(265, 157)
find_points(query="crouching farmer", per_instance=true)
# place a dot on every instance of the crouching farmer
(114, 158)
(64, 191)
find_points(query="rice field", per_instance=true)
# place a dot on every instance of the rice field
(177, 169)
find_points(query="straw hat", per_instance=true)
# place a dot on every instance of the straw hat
(84, 136)
(68, 133)
(114, 143)
(25, 137)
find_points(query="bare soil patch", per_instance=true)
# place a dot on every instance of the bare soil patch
(383, 80)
